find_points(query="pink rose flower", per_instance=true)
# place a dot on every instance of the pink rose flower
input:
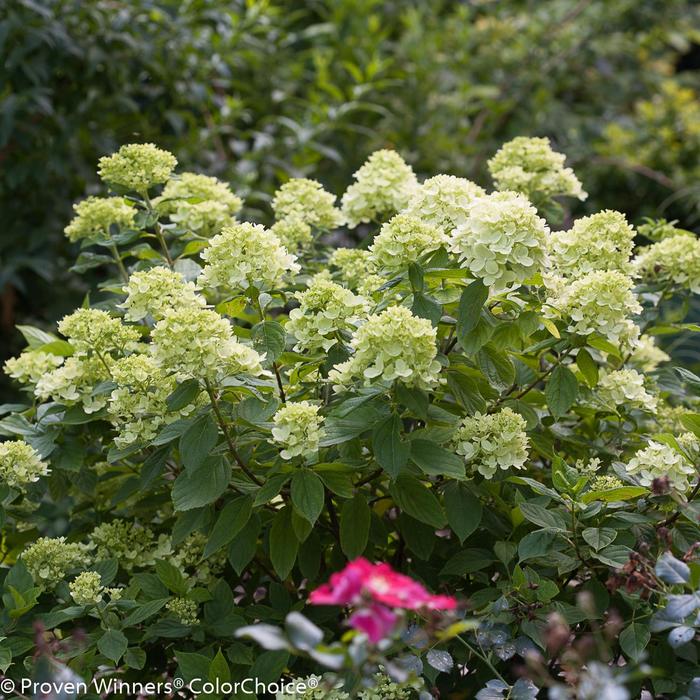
(376, 621)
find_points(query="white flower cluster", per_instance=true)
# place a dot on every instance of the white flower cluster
(199, 343)
(530, 166)
(244, 255)
(94, 216)
(647, 356)
(86, 588)
(492, 442)
(20, 464)
(383, 187)
(624, 389)
(503, 241)
(444, 201)
(660, 461)
(293, 232)
(31, 366)
(93, 330)
(152, 292)
(48, 560)
(355, 265)
(599, 302)
(673, 260)
(298, 428)
(392, 346)
(306, 201)
(137, 167)
(129, 543)
(603, 241)
(326, 311)
(74, 382)
(404, 239)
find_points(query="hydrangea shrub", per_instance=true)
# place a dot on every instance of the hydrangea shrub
(414, 440)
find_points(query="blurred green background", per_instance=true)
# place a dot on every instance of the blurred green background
(254, 92)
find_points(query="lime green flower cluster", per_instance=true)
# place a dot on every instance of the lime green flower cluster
(298, 428)
(624, 389)
(605, 482)
(392, 346)
(20, 464)
(244, 255)
(198, 203)
(492, 442)
(660, 461)
(599, 302)
(503, 241)
(306, 200)
(94, 330)
(74, 382)
(603, 241)
(647, 356)
(184, 609)
(669, 418)
(86, 588)
(355, 265)
(530, 166)
(293, 232)
(383, 187)
(403, 240)
(189, 558)
(199, 343)
(94, 216)
(137, 167)
(31, 366)
(152, 292)
(48, 560)
(325, 311)
(131, 544)
(673, 260)
(444, 201)
(138, 406)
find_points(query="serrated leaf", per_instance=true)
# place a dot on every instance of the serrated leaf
(463, 509)
(435, 460)
(587, 366)
(471, 302)
(599, 537)
(634, 639)
(354, 526)
(230, 522)
(389, 450)
(269, 338)
(112, 644)
(197, 442)
(561, 391)
(418, 500)
(308, 494)
(283, 543)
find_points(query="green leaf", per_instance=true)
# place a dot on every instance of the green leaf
(269, 337)
(171, 577)
(496, 366)
(615, 555)
(112, 644)
(283, 543)
(435, 460)
(535, 544)
(202, 486)
(183, 395)
(192, 665)
(341, 428)
(561, 391)
(467, 562)
(621, 493)
(463, 508)
(390, 451)
(426, 307)
(587, 366)
(244, 545)
(599, 537)
(691, 421)
(135, 658)
(634, 639)
(418, 500)
(539, 515)
(197, 442)
(308, 494)
(471, 302)
(230, 522)
(354, 526)
(143, 612)
(219, 669)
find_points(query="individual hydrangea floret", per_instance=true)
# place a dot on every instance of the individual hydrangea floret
(673, 260)
(444, 201)
(184, 609)
(647, 356)
(660, 461)
(87, 588)
(599, 302)
(326, 311)
(603, 241)
(624, 389)
(492, 442)
(403, 240)
(355, 265)
(48, 560)
(74, 382)
(298, 428)
(383, 187)
(392, 346)
(31, 366)
(132, 545)
(94, 216)
(20, 464)
(245, 255)
(94, 330)
(293, 232)
(138, 406)
(307, 201)
(503, 241)
(152, 292)
(199, 343)
(530, 166)
(137, 167)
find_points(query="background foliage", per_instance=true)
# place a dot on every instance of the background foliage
(256, 91)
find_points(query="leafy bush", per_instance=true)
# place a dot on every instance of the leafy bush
(468, 395)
